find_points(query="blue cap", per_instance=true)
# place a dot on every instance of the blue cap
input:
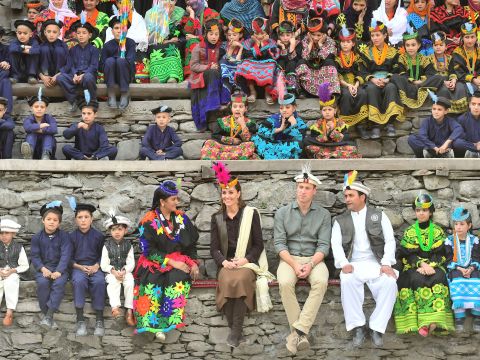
(461, 214)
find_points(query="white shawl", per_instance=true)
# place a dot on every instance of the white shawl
(398, 24)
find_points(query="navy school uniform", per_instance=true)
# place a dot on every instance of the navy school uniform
(53, 57)
(24, 65)
(44, 141)
(80, 60)
(53, 252)
(5, 84)
(87, 250)
(6, 136)
(91, 142)
(118, 71)
(471, 127)
(432, 134)
(156, 139)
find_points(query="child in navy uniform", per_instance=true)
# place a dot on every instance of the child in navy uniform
(160, 141)
(117, 70)
(13, 261)
(24, 53)
(53, 53)
(40, 128)
(51, 252)
(91, 141)
(86, 276)
(118, 263)
(5, 84)
(80, 72)
(6, 130)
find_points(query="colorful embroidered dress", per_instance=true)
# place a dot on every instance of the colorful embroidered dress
(317, 66)
(161, 292)
(100, 21)
(465, 292)
(422, 299)
(329, 140)
(67, 22)
(283, 145)
(449, 22)
(230, 142)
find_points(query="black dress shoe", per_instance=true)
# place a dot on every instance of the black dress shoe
(359, 336)
(377, 339)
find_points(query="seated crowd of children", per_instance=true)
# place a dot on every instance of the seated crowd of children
(366, 65)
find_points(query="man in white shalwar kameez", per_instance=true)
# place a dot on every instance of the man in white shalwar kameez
(363, 246)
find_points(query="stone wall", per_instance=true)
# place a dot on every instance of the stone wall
(126, 129)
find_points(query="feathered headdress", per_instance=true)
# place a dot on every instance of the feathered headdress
(306, 175)
(114, 219)
(439, 100)
(470, 88)
(438, 37)
(223, 176)
(376, 25)
(350, 177)
(72, 202)
(39, 97)
(56, 204)
(346, 34)
(433, 96)
(83, 17)
(469, 28)
(53, 204)
(410, 33)
(325, 95)
(350, 183)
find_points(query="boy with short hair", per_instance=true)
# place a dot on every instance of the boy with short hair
(91, 140)
(117, 70)
(51, 252)
(437, 132)
(118, 263)
(53, 52)
(13, 261)
(82, 64)
(24, 53)
(6, 130)
(5, 84)
(87, 243)
(160, 141)
(40, 129)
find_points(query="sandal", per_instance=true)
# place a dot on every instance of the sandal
(432, 328)
(252, 98)
(269, 100)
(423, 331)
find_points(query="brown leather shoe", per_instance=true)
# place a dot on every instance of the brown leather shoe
(116, 313)
(8, 319)
(129, 318)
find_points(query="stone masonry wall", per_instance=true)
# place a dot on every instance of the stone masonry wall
(22, 194)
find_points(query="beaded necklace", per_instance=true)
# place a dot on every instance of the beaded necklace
(471, 68)
(424, 247)
(377, 57)
(443, 61)
(168, 227)
(347, 63)
(417, 66)
(233, 127)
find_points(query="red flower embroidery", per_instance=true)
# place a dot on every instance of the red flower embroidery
(143, 305)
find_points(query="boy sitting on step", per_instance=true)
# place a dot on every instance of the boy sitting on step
(6, 131)
(40, 129)
(91, 140)
(118, 263)
(13, 261)
(24, 54)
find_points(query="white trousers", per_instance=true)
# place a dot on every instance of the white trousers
(114, 287)
(10, 287)
(382, 287)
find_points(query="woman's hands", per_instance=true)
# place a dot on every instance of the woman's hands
(235, 263)
(426, 269)
(179, 265)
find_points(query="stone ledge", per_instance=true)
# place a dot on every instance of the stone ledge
(242, 166)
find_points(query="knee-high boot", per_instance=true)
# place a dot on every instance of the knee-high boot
(228, 311)
(239, 311)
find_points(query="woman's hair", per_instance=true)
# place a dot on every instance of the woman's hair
(53, 211)
(160, 194)
(241, 202)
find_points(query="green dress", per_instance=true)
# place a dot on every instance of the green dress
(422, 300)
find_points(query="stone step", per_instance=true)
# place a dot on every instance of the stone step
(125, 129)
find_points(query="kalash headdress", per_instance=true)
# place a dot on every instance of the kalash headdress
(259, 25)
(238, 96)
(83, 23)
(223, 176)
(376, 25)
(439, 37)
(423, 201)
(32, 100)
(236, 26)
(115, 219)
(440, 100)
(349, 183)
(410, 33)
(315, 24)
(469, 28)
(87, 101)
(325, 97)
(77, 207)
(461, 214)
(306, 176)
(346, 34)
(286, 27)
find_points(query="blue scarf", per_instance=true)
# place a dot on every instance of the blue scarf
(245, 12)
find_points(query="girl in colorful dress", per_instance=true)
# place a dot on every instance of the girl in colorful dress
(166, 265)
(288, 58)
(233, 54)
(418, 11)
(466, 65)
(463, 264)
(259, 67)
(208, 93)
(379, 62)
(58, 10)
(98, 20)
(295, 11)
(232, 141)
(442, 64)
(318, 54)
(416, 73)
(357, 16)
(353, 99)
(449, 18)
(242, 10)
(281, 135)
(328, 137)
(165, 42)
(423, 301)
